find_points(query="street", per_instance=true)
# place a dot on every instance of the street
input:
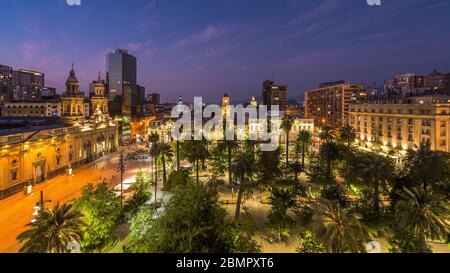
(16, 210)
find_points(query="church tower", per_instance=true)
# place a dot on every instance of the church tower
(225, 104)
(99, 100)
(72, 99)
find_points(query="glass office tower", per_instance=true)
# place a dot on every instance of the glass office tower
(121, 68)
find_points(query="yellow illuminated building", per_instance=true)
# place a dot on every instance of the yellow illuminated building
(72, 99)
(403, 124)
(52, 146)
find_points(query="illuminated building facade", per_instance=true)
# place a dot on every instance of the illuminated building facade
(99, 99)
(329, 104)
(72, 99)
(32, 109)
(274, 94)
(52, 145)
(6, 82)
(403, 124)
(49, 148)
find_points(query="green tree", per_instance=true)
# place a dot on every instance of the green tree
(165, 155)
(178, 178)
(378, 171)
(52, 231)
(286, 126)
(192, 222)
(428, 167)
(426, 214)
(309, 243)
(318, 172)
(304, 140)
(140, 223)
(297, 168)
(230, 146)
(196, 151)
(282, 199)
(142, 181)
(153, 138)
(243, 168)
(268, 166)
(338, 229)
(348, 135)
(140, 197)
(219, 162)
(329, 152)
(101, 209)
(155, 151)
(327, 134)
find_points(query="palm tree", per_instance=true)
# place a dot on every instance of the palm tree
(283, 198)
(155, 151)
(339, 230)
(297, 168)
(286, 126)
(52, 231)
(378, 170)
(426, 214)
(196, 151)
(230, 146)
(327, 134)
(166, 153)
(305, 139)
(243, 168)
(348, 134)
(153, 140)
(269, 166)
(177, 148)
(329, 152)
(426, 166)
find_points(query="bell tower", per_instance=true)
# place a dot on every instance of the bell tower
(72, 99)
(99, 100)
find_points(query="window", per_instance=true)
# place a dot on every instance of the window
(13, 175)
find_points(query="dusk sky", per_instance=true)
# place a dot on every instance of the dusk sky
(207, 47)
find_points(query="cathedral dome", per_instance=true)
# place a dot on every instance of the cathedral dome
(72, 77)
(99, 82)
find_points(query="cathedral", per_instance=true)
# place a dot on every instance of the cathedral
(34, 149)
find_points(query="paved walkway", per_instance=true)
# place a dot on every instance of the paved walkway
(16, 211)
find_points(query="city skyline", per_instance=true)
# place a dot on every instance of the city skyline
(207, 53)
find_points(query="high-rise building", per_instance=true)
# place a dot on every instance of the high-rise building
(154, 98)
(6, 81)
(329, 104)
(274, 94)
(27, 84)
(140, 99)
(437, 82)
(121, 68)
(404, 85)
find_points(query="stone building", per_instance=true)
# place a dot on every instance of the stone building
(403, 124)
(33, 149)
